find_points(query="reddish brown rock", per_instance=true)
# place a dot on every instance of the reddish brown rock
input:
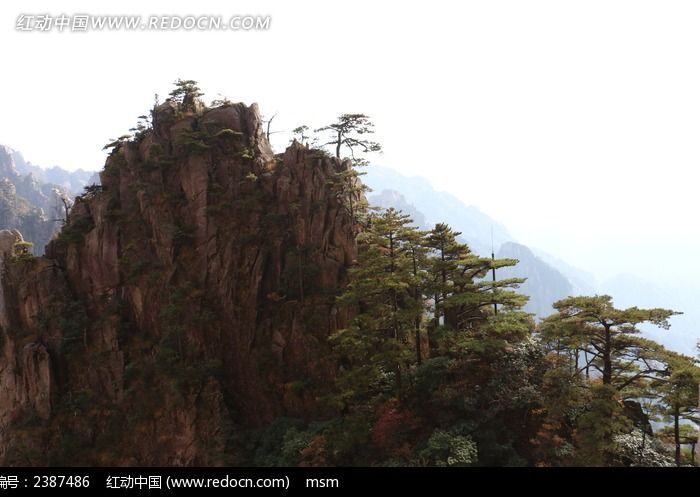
(193, 293)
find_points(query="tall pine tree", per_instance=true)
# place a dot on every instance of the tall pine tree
(375, 349)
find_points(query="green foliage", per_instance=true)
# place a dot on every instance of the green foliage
(598, 427)
(227, 133)
(677, 399)
(115, 145)
(437, 365)
(189, 369)
(185, 92)
(462, 297)
(21, 251)
(75, 230)
(348, 440)
(280, 443)
(91, 191)
(299, 276)
(144, 124)
(221, 102)
(449, 449)
(491, 390)
(484, 374)
(196, 141)
(608, 336)
(23, 246)
(688, 434)
(74, 323)
(300, 134)
(349, 191)
(349, 131)
(678, 393)
(375, 344)
(203, 140)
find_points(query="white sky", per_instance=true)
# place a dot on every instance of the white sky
(575, 123)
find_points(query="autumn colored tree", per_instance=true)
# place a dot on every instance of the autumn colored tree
(563, 398)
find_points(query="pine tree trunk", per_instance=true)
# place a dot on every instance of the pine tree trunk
(419, 359)
(417, 299)
(692, 453)
(607, 362)
(676, 434)
(644, 444)
(436, 316)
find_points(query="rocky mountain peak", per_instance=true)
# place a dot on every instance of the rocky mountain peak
(7, 162)
(190, 293)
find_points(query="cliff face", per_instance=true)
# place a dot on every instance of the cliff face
(190, 295)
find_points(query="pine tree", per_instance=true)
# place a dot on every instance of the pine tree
(683, 434)
(185, 93)
(417, 252)
(609, 336)
(350, 192)
(598, 426)
(375, 349)
(678, 395)
(622, 363)
(461, 293)
(349, 131)
(447, 251)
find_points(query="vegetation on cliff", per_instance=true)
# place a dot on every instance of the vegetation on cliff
(214, 303)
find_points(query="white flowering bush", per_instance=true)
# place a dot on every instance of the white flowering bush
(636, 449)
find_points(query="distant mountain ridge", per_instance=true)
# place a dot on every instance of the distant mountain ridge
(475, 226)
(415, 196)
(391, 198)
(72, 181)
(30, 197)
(544, 284)
(549, 278)
(583, 282)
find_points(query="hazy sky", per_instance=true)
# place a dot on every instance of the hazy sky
(576, 124)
